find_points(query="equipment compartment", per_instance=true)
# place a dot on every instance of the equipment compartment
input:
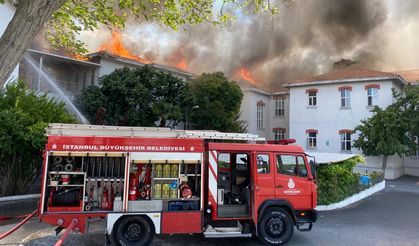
(84, 181)
(177, 183)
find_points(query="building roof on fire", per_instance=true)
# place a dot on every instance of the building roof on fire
(62, 58)
(347, 75)
(160, 67)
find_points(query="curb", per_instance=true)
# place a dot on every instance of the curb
(355, 198)
(20, 197)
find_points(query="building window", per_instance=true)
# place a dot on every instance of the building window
(279, 106)
(311, 138)
(345, 140)
(259, 114)
(279, 133)
(372, 94)
(312, 97)
(345, 96)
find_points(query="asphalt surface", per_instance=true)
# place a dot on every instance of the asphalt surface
(389, 217)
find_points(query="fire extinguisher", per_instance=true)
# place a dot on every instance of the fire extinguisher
(133, 184)
(146, 184)
(107, 197)
(65, 179)
(105, 202)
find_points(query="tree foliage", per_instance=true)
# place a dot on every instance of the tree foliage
(408, 104)
(136, 97)
(78, 15)
(23, 118)
(389, 131)
(219, 103)
(382, 134)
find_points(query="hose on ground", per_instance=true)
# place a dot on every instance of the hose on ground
(11, 230)
(66, 233)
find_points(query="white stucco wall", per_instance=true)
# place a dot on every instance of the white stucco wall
(411, 165)
(328, 117)
(7, 12)
(248, 111)
(279, 121)
(109, 65)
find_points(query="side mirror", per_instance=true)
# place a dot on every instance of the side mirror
(313, 168)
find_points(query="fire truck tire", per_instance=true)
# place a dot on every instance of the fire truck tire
(275, 227)
(132, 230)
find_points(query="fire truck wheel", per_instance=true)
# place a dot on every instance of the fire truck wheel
(275, 227)
(132, 230)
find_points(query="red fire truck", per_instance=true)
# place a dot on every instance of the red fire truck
(147, 181)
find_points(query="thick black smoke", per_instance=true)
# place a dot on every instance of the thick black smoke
(306, 38)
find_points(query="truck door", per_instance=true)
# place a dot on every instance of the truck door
(229, 177)
(263, 174)
(292, 180)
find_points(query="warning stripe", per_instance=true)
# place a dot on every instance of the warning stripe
(213, 172)
(126, 188)
(212, 176)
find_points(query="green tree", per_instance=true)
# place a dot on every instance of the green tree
(64, 19)
(24, 116)
(382, 134)
(408, 103)
(219, 103)
(165, 110)
(136, 97)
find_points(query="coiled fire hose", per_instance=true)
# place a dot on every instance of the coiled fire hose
(11, 230)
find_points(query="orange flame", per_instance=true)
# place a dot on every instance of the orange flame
(116, 47)
(245, 74)
(177, 58)
(79, 57)
(182, 64)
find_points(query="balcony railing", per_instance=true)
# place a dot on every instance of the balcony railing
(69, 88)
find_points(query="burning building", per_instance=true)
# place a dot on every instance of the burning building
(109, 62)
(74, 74)
(71, 75)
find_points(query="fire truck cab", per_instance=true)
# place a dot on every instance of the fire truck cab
(147, 181)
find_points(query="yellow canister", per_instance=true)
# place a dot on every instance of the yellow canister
(166, 190)
(174, 171)
(157, 190)
(173, 193)
(166, 171)
(159, 171)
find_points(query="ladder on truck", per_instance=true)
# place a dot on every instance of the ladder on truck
(56, 129)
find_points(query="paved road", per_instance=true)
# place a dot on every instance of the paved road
(389, 217)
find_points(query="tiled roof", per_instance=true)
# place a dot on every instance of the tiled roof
(411, 76)
(345, 74)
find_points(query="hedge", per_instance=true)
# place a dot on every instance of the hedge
(337, 181)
